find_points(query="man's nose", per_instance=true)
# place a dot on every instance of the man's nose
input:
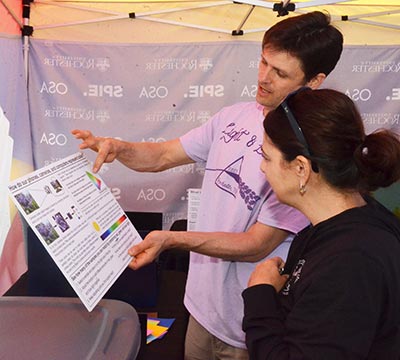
(265, 75)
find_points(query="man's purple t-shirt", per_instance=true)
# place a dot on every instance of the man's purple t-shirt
(235, 194)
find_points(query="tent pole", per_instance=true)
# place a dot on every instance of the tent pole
(27, 31)
(25, 47)
(239, 30)
(376, 23)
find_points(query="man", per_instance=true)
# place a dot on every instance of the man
(240, 220)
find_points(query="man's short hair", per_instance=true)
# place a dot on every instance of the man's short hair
(309, 37)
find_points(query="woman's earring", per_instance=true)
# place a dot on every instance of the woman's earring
(302, 189)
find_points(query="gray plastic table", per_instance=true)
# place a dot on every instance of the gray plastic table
(62, 329)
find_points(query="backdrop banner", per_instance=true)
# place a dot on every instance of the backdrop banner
(158, 92)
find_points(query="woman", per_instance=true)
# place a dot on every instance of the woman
(338, 296)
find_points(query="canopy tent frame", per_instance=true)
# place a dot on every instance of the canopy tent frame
(300, 7)
(360, 19)
(149, 16)
(24, 26)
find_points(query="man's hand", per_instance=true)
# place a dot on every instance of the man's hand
(105, 147)
(268, 272)
(149, 249)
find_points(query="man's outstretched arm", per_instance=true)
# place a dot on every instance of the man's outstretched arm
(138, 156)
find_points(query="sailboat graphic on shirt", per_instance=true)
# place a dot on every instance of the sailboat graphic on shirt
(230, 181)
(229, 178)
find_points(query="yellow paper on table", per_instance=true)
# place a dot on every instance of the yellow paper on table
(157, 330)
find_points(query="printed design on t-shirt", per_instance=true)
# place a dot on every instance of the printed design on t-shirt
(229, 180)
(294, 278)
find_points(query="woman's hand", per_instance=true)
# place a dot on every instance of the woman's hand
(269, 272)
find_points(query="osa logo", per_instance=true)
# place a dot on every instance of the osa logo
(151, 195)
(53, 139)
(249, 91)
(153, 92)
(359, 94)
(154, 140)
(52, 88)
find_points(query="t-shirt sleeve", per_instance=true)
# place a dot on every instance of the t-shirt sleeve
(197, 142)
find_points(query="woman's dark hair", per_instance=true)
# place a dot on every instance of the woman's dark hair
(333, 129)
(309, 37)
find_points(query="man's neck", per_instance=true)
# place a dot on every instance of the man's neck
(266, 111)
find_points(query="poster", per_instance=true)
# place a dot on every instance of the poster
(79, 222)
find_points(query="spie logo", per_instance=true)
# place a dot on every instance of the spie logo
(200, 91)
(395, 95)
(99, 90)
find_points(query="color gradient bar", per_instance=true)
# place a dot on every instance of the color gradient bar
(113, 227)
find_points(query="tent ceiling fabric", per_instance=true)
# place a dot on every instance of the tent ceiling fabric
(10, 17)
(373, 22)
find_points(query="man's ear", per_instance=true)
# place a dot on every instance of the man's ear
(316, 81)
